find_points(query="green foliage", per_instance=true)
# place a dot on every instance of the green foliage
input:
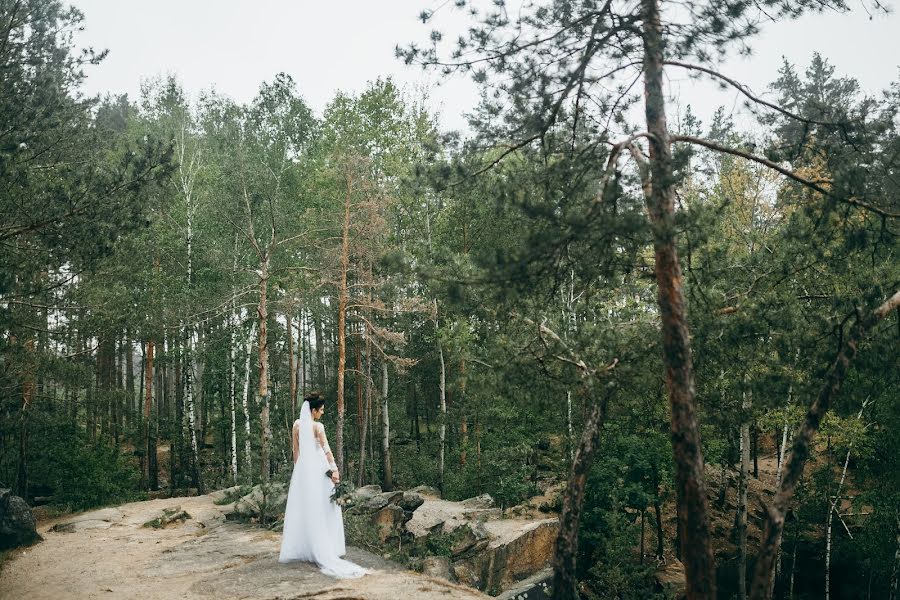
(623, 483)
(78, 473)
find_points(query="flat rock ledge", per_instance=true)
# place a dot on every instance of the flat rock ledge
(109, 553)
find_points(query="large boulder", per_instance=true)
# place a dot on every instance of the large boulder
(487, 550)
(517, 549)
(481, 502)
(468, 539)
(426, 490)
(17, 526)
(362, 494)
(389, 512)
(389, 522)
(264, 502)
(410, 501)
(379, 501)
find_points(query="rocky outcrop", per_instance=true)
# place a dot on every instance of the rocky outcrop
(471, 542)
(17, 526)
(96, 519)
(486, 548)
(388, 512)
(515, 551)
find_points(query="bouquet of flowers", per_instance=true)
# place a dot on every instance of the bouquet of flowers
(342, 490)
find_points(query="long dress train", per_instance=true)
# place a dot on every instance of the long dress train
(313, 524)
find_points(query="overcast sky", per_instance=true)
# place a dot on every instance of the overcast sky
(333, 45)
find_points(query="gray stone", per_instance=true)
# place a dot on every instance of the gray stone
(376, 503)
(263, 503)
(366, 492)
(389, 522)
(72, 527)
(426, 490)
(410, 501)
(479, 502)
(469, 538)
(516, 551)
(17, 526)
(220, 495)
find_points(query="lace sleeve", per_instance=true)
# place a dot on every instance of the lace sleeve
(295, 440)
(323, 441)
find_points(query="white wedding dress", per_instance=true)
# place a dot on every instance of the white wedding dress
(313, 524)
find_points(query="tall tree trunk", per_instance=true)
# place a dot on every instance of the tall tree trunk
(660, 538)
(442, 389)
(27, 398)
(150, 444)
(360, 383)
(129, 379)
(778, 471)
(106, 360)
(690, 484)
(754, 448)
(415, 406)
(179, 430)
(263, 392)
(302, 335)
(248, 459)
(342, 321)
(643, 535)
(742, 494)
(795, 462)
(464, 420)
(367, 410)
(232, 388)
(140, 397)
(117, 398)
(292, 380)
(320, 347)
(387, 479)
(794, 557)
(196, 480)
(565, 575)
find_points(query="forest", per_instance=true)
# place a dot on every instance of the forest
(592, 287)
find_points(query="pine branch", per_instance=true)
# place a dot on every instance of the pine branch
(813, 185)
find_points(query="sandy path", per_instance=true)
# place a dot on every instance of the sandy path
(111, 556)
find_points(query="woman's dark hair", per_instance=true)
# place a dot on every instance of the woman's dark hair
(315, 399)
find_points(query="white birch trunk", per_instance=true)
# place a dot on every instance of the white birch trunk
(388, 479)
(231, 391)
(443, 393)
(248, 460)
(189, 400)
(187, 171)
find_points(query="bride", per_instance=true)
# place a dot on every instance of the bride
(313, 525)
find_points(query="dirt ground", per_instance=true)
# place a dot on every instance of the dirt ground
(108, 554)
